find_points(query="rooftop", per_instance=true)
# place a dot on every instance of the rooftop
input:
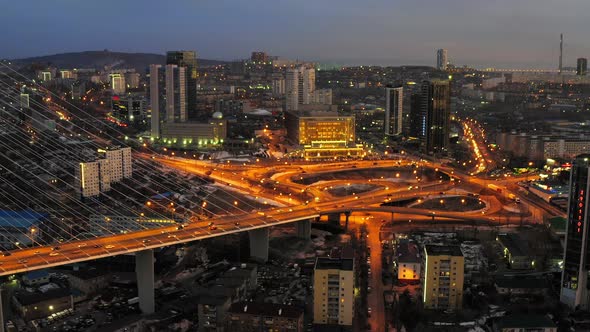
(212, 300)
(328, 263)
(558, 224)
(514, 243)
(266, 309)
(435, 250)
(88, 274)
(526, 282)
(37, 274)
(408, 252)
(340, 259)
(20, 219)
(28, 298)
(525, 321)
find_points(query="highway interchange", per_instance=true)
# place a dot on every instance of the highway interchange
(296, 198)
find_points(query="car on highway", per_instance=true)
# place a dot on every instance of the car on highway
(237, 223)
(109, 246)
(212, 227)
(23, 261)
(179, 227)
(6, 253)
(82, 245)
(369, 311)
(55, 248)
(146, 241)
(53, 253)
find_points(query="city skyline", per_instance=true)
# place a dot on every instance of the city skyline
(387, 33)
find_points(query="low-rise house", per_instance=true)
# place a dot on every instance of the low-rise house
(525, 323)
(35, 305)
(251, 316)
(521, 285)
(517, 252)
(36, 278)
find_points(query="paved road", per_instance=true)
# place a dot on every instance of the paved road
(375, 298)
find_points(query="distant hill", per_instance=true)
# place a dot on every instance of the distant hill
(101, 59)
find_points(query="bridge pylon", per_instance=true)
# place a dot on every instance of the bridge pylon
(303, 229)
(144, 269)
(259, 244)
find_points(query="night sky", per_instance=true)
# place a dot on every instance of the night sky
(504, 33)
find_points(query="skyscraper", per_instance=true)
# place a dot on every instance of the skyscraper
(157, 99)
(176, 91)
(168, 100)
(560, 53)
(394, 98)
(187, 59)
(574, 280)
(417, 117)
(436, 97)
(299, 87)
(582, 67)
(441, 59)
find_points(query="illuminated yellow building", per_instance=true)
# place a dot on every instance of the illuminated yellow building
(194, 133)
(442, 281)
(333, 289)
(323, 135)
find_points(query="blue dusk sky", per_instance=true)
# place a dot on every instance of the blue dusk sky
(502, 33)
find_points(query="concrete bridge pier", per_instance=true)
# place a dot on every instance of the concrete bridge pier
(259, 244)
(334, 218)
(303, 229)
(347, 215)
(144, 269)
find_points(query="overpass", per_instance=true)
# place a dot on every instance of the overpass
(142, 243)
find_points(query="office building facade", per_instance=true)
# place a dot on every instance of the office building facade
(574, 280)
(442, 280)
(394, 104)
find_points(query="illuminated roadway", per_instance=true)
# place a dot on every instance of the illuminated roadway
(34, 258)
(78, 251)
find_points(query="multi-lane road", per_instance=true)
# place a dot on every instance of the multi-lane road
(28, 259)
(244, 178)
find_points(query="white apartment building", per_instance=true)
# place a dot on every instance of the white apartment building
(95, 177)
